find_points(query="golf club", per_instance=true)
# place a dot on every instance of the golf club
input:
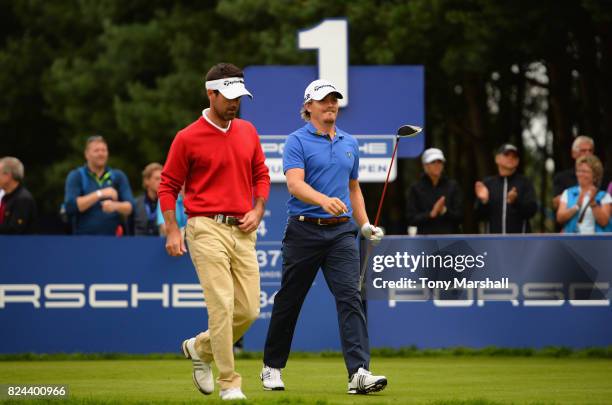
(405, 131)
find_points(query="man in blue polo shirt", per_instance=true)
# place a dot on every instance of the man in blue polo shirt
(321, 163)
(97, 198)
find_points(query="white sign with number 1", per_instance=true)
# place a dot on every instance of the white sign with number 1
(331, 39)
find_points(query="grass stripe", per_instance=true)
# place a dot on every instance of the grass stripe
(456, 380)
(406, 352)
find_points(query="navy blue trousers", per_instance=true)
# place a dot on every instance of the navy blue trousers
(306, 248)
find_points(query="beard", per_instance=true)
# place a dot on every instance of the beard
(229, 115)
(329, 118)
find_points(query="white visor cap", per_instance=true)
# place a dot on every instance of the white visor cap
(431, 155)
(318, 89)
(230, 87)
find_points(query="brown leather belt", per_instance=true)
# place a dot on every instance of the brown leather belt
(323, 221)
(224, 219)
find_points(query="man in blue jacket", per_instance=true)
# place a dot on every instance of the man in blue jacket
(97, 198)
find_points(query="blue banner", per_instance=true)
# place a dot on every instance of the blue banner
(471, 323)
(105, 294)
(558, 291)
(548, 269)
(397, 99)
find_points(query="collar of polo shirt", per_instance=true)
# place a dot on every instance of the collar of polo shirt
(313, 130)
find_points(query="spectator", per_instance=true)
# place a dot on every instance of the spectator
(98, 198)
(181, 216)
(434, 201)
(17, 207)
(506, 201)
(145, 208)
(582, 146)
(584, 208)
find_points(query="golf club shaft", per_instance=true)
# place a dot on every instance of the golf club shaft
(382, 197)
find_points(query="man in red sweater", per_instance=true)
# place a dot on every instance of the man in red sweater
(219, 159)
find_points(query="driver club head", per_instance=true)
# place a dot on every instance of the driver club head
(408, 131)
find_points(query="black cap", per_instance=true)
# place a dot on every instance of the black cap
(507, 147)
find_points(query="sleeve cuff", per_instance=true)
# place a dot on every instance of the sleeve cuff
(71, 206)
(292, 166)
(167, 203)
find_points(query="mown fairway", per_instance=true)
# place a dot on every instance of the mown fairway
(442, 380)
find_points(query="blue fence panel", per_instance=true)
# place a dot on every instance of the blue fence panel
(104, 294)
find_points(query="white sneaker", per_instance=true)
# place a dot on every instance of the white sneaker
(271, 379)
(232, 394)
(363, 382)
(202, 371)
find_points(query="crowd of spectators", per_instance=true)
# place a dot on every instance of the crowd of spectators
(98, 199)
(506, 202)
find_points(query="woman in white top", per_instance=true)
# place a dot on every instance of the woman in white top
(584, 209)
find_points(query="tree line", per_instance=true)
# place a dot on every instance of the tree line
(532, 73)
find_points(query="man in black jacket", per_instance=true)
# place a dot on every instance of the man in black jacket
(506, 202)
(434, 201)
(17, 207)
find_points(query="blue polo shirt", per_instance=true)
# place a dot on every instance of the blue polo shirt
(328, 166)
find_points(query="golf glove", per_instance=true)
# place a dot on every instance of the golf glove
(371, 232)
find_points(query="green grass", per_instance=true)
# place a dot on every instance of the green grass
(404, 352)
(457, 380)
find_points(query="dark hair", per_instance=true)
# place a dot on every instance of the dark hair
(223, 70)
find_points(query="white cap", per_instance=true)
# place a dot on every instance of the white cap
(431, 155)
(230, 87)
(318, 89)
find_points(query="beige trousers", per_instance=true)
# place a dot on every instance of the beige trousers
(226, 263)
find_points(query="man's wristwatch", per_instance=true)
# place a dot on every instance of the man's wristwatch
(99, 193)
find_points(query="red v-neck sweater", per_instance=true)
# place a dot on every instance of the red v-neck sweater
(223, 172)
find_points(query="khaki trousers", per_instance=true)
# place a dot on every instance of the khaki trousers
(226, 263)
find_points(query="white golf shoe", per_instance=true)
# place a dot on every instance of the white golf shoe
(271, 379)
(232, 394)
(202, 371)
(363, 382)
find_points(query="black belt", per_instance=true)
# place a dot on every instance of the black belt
(224, 219)
(323, 221)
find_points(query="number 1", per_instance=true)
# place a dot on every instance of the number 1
(330, 37)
